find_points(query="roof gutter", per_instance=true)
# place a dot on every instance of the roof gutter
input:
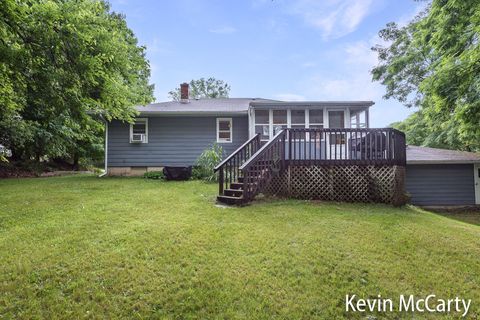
(313, 103)
(193, 113)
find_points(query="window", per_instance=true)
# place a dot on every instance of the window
(262, 125)
(316, 118)
(358, 119)
(336, 119)
(297, 121)
(224, 130)
(279, 121)
(139, 131)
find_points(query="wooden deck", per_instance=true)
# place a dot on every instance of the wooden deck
(250, 169)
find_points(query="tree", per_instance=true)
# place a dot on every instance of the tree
(63, 63)
(433, 64)
(204, 88)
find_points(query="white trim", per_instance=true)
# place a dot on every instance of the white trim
(476, 181)
(221, 140)
(326, 123)
(146, 129)
(251, 122)
(270, 124)
(347, 121)
(106, 151)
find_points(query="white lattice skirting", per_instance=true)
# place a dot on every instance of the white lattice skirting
(383, 184)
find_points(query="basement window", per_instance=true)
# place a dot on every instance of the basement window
(224, 130)
(139, 131)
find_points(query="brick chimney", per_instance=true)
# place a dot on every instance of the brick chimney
(184, 92)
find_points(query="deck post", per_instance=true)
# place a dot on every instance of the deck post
(220, 181)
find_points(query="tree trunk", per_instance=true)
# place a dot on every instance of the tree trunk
(75, 162)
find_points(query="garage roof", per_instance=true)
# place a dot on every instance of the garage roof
(425, 155)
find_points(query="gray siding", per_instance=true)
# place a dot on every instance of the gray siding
(441, 184)
(172, 141)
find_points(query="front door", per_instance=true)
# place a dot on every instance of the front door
(476, 168)
(336, 142)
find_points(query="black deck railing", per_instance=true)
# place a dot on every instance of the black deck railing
(228, 170)
(345, 147)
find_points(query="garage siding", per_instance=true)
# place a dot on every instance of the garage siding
(172, 141)
(441, 184)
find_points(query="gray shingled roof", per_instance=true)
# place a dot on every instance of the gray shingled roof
(425, 155)
(234, 105)
(220, 105)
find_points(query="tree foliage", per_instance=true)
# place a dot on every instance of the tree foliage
(61, 64)
(203, 88)
(433, 64)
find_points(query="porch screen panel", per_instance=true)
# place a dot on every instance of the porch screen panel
(262, 124)
(358, 119)
(279, 121)
(336, 119)
(298, 122)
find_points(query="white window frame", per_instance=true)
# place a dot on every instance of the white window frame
(222, 140)
(146, 130)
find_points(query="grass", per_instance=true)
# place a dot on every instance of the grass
(468, 215)
(84, 247)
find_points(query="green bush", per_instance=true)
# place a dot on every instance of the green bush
(206, 162)
(154, 175)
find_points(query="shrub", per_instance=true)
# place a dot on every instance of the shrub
(206, 162)
(153, 175)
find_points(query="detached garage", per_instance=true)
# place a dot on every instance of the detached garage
(438, 177)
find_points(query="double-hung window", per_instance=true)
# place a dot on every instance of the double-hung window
(224, 130)
(139, 131)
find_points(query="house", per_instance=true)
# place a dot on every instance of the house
(307, 149)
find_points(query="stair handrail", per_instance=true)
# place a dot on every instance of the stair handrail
(238, 150)
(228, 169)
(255, 181)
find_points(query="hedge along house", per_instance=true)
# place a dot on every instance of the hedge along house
(310, 149)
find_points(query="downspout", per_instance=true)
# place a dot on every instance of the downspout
(106, 149)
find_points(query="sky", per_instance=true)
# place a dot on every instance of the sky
(276, 49)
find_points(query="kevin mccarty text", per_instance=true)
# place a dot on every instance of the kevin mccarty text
(408, 303)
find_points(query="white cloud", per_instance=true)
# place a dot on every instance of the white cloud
(334, 18)
(289, 97)
(309, 64)
(159, 46)
(360, 53)
(223, 30)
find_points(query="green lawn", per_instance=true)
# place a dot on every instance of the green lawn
(84, 247)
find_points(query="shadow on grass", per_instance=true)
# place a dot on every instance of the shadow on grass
(468, 214)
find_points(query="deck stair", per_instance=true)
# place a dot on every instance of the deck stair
(233, 195)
